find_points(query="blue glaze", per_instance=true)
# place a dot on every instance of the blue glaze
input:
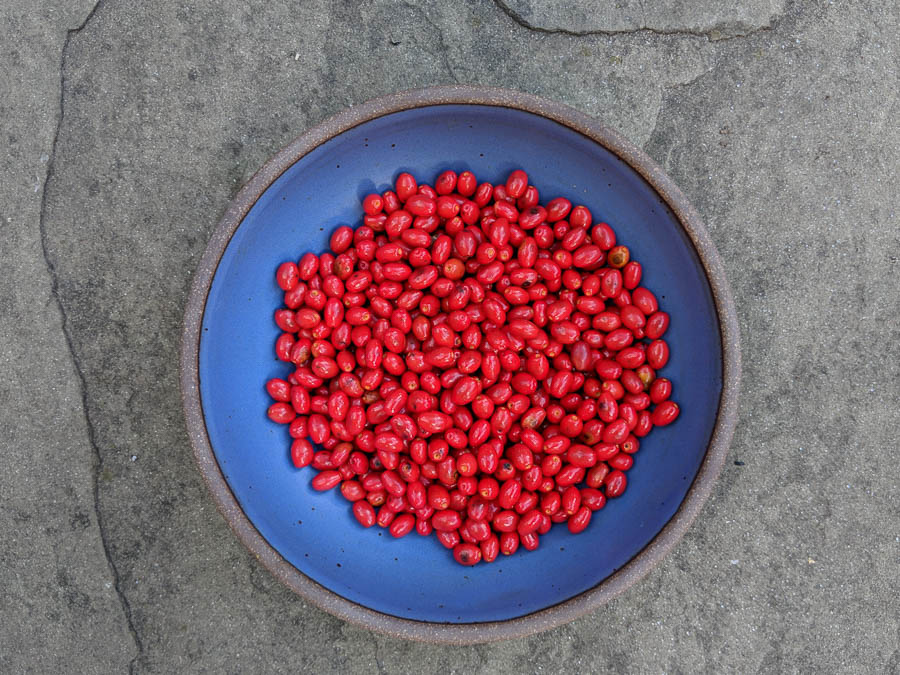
(416, 578)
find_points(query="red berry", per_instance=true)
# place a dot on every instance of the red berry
(470, 363)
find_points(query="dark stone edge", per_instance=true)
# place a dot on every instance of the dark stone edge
(472, 633)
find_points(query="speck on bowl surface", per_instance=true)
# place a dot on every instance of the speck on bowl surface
(412, 587)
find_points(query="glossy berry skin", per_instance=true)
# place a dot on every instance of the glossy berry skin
(471, 361)
(615, 483)
(580, 520)
(402, 525)
(326, 480)
(287, 276)
(516, 184)
(281, 413)
(665, 413)
(364, 513)
(660, 390)
(467, 554)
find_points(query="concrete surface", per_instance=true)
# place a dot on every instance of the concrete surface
(128, 128)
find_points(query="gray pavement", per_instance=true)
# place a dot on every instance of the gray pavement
(128, 128)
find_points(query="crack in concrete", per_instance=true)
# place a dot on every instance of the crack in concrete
(642, 11)
(669, 87)
(712, 35)
(659, 108)
(695, 79)
(445, 49)
(662, 104)
(97, 463)
(375, 648)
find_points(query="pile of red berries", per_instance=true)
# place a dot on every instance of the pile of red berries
(471, 363)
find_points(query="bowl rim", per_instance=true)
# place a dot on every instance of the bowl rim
(467, 633)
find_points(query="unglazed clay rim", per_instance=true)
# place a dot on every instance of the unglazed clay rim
(469, 633)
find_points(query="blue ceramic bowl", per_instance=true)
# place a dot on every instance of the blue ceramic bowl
(310, 540)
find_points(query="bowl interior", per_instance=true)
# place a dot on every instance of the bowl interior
(416, 577)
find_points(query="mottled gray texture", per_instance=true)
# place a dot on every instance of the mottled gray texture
(58, 598)
(785, 139)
